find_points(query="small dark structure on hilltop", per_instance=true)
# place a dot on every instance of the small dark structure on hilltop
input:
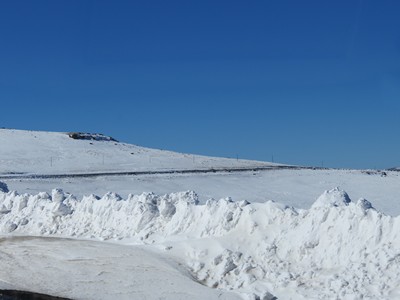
(90, 136)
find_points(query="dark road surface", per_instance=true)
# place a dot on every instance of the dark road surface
(155, 172)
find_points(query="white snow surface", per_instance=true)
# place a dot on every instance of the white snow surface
(160, 244)
(81, 269)
(297, 188)
(42, 152)
(337, 249)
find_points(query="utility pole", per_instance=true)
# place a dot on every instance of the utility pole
(272, 158)
(51, 161)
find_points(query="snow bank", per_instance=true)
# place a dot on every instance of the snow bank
(337, 248)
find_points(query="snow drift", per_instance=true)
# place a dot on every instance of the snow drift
(337, 248)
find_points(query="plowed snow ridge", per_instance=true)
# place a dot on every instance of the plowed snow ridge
(337, 248)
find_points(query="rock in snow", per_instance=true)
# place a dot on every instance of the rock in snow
(3, 187)
(335, 249)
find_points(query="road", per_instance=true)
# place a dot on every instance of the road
(149, 172)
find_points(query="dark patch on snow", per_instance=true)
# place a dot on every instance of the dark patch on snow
(23, 295)
(375, 172)
(90, 136)
(3, 187)
(394, 169)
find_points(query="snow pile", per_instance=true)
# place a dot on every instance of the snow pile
(337, 248)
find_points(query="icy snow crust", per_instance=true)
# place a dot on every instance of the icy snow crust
(336, 249)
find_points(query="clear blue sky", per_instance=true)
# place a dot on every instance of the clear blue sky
(304, 81)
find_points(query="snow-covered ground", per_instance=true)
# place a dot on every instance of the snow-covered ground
(337, 248)
(298, 188)
(39, 152)
(81, 269)
(142, 238)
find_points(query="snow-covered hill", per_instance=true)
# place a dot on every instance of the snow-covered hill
(57, 153)
(395, 169)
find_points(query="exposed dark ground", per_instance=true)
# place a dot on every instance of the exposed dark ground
(22, 295)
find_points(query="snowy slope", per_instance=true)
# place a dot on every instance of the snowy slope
(56, 153)
(100, 271)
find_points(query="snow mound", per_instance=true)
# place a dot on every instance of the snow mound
(337, 248)
(334, 197)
